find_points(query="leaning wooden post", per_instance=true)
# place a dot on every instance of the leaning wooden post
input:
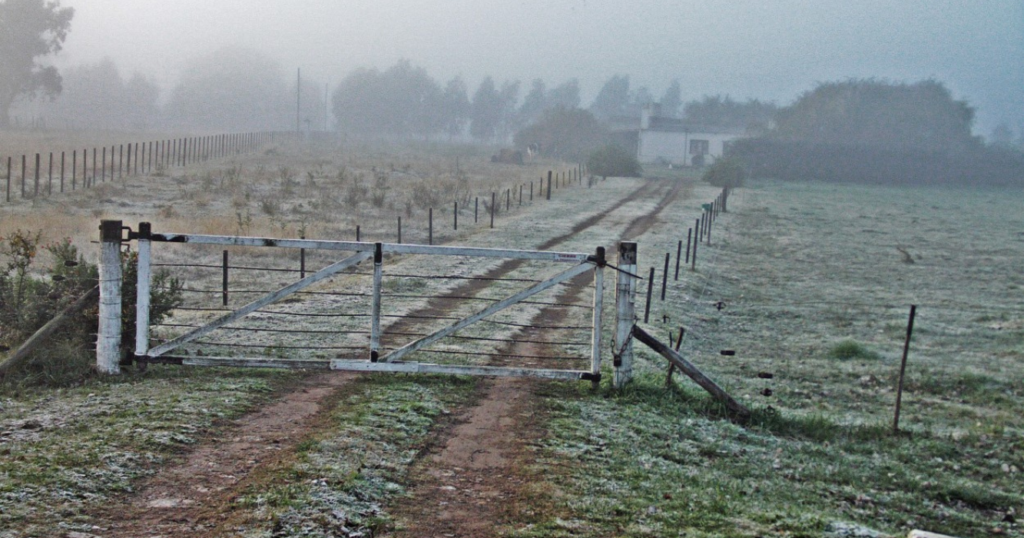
(625, 306)
(143, 289)
(903, 369)
(595, 336)
(378, 276)
(108, 341)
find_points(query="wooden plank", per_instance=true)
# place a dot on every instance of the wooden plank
(511, 254)
(429, 368)
(388, 248)
(286, 364)
(229, 240)
(322, 274)
(689, 369)
(494, 308)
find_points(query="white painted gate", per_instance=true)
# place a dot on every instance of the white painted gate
(373, 358)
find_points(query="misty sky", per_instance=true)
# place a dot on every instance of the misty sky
(766, 49)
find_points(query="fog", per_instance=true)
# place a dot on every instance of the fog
(747, 49)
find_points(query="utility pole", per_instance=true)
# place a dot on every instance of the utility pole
(325, 108)
(298, 102)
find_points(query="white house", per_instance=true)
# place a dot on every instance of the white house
(671, 140)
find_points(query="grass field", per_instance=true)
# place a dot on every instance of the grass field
(814, 283)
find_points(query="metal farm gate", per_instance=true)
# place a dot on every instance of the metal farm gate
(331, 317)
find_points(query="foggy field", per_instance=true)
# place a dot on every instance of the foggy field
(814, 280)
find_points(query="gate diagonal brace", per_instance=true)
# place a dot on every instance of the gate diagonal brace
(496, 307)
(695, 374)
(322, 274)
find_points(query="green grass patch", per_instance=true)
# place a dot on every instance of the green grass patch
(847, 350)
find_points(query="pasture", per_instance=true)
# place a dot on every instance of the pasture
(810, 283)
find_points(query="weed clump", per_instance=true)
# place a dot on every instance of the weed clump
(851, 349)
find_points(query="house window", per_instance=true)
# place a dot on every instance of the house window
(699, 147)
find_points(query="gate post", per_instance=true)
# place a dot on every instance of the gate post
(595, 346)
(378, 261)
(625, 302)
(143, 290)
(108, 341)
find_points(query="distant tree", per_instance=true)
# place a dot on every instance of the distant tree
(232, 88)
(485, 112)
(726, 172)
(565, 95)
(98, 96)
(29, 31)
(400, 102)
(614, 161)
(564, 133)
(718, 111)
(672, 100)
(509, 111)
(535, 102)
(896, 116)
(613, 99)
(455, 107)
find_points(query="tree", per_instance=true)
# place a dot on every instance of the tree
(565, 95)
(672, 100)
(718, 111)
(613, 99)
(1002, 135)
(508, 99)
(726, 172)
(29, 31)
(400, 102)
(535, 102)
(485, 113)
(232, 88)
(564, 133)
(613, 160)
(870, 113)
(455, 107)
(97, 96)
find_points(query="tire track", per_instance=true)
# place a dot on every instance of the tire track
(469, 484)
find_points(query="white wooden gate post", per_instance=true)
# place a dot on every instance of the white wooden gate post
(142, 289)
(378, 262)
(108, 341)
(595, 347)
(625, 301)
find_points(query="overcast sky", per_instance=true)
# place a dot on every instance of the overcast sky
(765, 49)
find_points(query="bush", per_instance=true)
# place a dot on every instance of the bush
(726, 172)
(613, 160)
(851, 349)
(27, 302)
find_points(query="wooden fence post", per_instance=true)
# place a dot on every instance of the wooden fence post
(8, 179)
(549, 184)
(378, 275)
(108, 341)
(492, 209)
(625, 306)
(430, 226)
(455, 216)
(903, 369)
(679, 253)
(650, 290)
(224, 280)
(664, 276)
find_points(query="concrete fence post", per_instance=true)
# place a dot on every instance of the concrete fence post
(625, 306)
(108, 341)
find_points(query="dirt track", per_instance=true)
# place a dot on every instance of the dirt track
(473, 464)
(469, 482)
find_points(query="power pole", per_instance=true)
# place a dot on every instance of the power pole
(298, 102)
